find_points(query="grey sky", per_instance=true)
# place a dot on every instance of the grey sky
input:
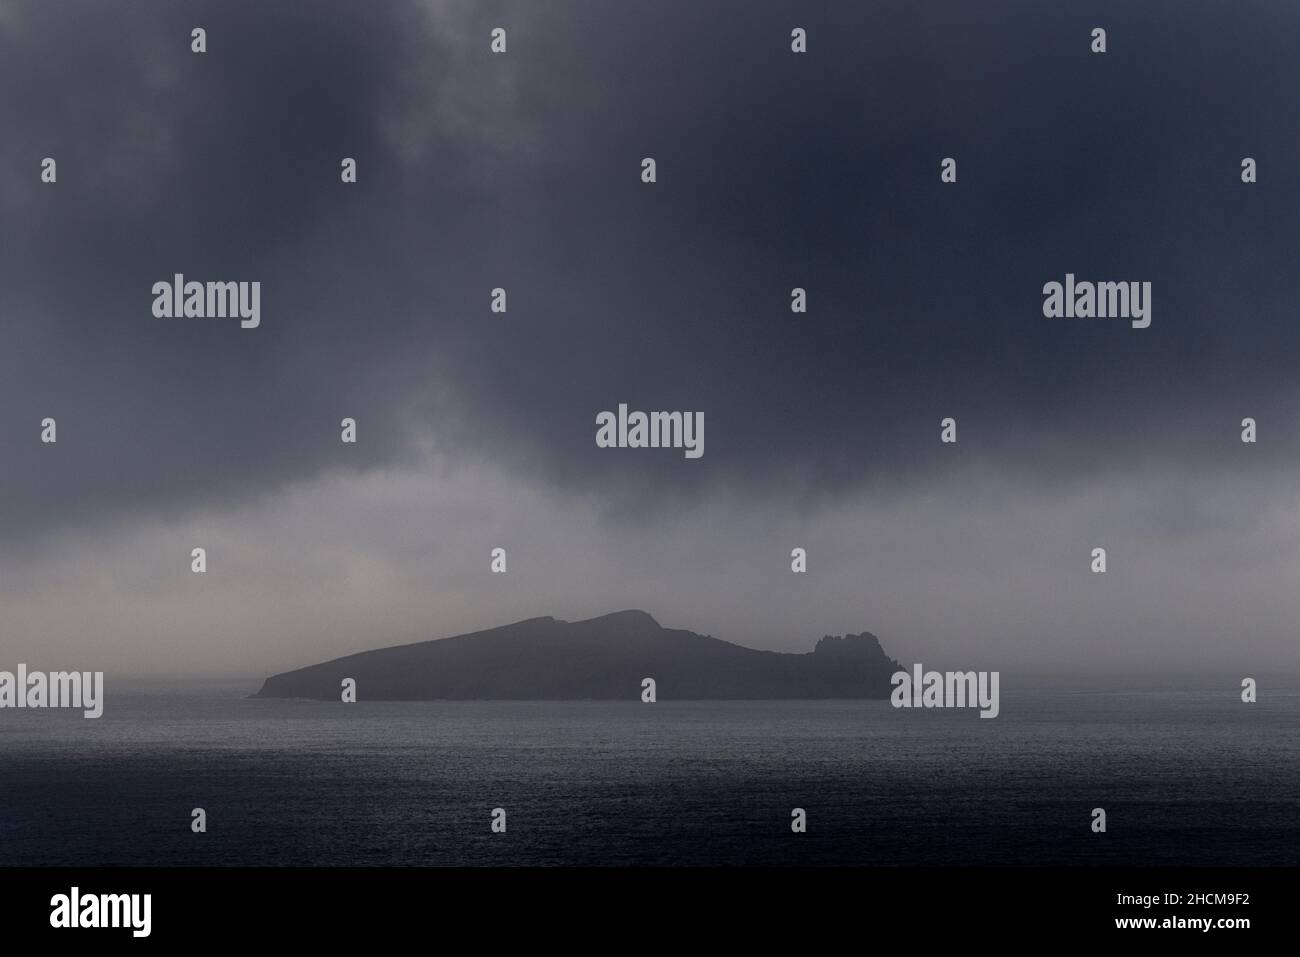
(476, 430)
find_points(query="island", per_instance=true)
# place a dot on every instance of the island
(601, 658)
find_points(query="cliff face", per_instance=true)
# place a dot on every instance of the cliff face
(606, 657)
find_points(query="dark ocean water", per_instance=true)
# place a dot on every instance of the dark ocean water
(1185, 778)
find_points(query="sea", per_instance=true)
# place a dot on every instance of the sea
(1186, 778)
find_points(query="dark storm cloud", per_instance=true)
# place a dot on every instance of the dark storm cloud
(521, 171)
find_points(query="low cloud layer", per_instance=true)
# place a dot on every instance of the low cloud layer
(969, 572)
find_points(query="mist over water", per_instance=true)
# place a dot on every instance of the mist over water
(1186, 778)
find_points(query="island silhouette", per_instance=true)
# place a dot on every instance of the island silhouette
(600, 658)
